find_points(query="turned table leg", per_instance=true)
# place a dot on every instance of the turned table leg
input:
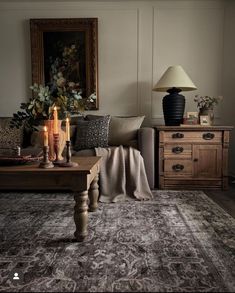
(93, 194)
(81, 214)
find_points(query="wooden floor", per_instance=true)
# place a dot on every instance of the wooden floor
(225, 199)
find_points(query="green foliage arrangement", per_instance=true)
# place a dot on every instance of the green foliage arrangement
(207, 102)
(66, 96)
(60, 91)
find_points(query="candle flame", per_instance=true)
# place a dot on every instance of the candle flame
(67, 119)
(55, 108)
(45, 128)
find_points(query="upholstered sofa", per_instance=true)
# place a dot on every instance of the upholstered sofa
(122, 130)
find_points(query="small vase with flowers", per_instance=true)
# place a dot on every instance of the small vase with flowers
(206, 106)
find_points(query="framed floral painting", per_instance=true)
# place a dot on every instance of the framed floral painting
(66, 50)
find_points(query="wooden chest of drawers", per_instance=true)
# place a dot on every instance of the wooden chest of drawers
(192, 157)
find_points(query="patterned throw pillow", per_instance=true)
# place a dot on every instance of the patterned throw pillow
(10, 137)
(91, 134)
(122, 130)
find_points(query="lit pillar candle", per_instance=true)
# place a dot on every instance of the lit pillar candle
(55, 121)
(67, 129)
(45, 136)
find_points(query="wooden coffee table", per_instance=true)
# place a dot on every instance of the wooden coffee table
(81, 180)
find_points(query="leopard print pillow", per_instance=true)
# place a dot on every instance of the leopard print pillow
(9, 137)
(91, 134)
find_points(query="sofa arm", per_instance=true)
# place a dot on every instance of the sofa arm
(146, 146)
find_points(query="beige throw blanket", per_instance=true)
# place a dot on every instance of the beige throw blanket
(122, 175)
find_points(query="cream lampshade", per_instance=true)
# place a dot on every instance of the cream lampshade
(173, 81)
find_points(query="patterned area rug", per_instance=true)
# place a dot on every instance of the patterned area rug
(179, 242)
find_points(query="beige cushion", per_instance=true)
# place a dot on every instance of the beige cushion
(84, 153)
(123, 130)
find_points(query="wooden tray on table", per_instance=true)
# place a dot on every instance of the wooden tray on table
(18, 160)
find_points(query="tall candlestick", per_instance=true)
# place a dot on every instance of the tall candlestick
(68, 162)
(46, 163)
(55, 121)
(45, 136)
(67, 130)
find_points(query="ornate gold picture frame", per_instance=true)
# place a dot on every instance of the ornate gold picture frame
(67, 46)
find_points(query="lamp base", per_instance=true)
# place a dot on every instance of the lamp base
(173, 107)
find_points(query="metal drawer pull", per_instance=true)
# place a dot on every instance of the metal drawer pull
(177, 135)
(208, 136)
(177, 150)
(178, 167)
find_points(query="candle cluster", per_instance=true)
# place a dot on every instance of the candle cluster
(55, 128)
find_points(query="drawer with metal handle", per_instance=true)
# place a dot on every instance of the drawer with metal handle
(177, 167)
(178, 151)
(208, 135)
(192, 136)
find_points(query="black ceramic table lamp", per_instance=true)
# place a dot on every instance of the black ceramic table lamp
(173, 81)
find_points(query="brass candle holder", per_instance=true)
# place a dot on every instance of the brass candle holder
(68, 162)
(46, 163)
